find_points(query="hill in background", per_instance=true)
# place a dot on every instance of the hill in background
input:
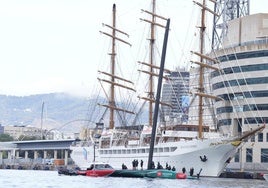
(59, 109)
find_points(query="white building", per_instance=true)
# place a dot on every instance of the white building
(175, 92)
(17, 131)
(28, 131)
(243, 86)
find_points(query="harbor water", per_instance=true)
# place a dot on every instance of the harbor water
(51, 179)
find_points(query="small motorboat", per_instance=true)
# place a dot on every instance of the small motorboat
(97, 169)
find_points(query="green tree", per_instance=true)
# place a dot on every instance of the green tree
(5, 138)
(23, 138)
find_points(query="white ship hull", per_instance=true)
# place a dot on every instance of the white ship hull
(178, 154)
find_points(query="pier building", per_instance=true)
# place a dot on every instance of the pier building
(35, 152)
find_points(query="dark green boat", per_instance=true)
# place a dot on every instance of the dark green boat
(153, 173)
(129, 173)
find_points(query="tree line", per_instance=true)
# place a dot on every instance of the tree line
(7, 138)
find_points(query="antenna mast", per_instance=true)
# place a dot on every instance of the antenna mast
(227, 10)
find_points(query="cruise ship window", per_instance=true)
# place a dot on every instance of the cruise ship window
(266, 137)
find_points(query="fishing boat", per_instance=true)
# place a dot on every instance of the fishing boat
(178, 145)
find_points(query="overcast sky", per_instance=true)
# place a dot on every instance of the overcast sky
(55, 45)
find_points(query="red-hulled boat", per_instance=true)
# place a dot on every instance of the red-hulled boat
(97, 170)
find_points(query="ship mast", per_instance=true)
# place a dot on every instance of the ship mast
(151, 65)
(202, 65)
(112, 100)
(113, 78)
(151, 60)
(201, 72)
(157, 102)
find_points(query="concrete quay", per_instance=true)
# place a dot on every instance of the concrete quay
(28, 167)
(36, 167)
(243, 175)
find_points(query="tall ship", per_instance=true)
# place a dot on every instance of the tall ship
(178, 145)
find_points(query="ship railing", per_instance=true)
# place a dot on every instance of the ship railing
(82, 143)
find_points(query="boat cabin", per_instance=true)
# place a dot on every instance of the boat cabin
(99, 166)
